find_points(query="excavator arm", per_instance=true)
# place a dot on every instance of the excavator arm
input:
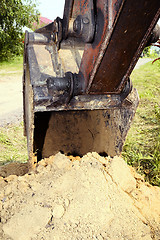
(78, 96)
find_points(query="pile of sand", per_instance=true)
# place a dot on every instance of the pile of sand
(88, 198)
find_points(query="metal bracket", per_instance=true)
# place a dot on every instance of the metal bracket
(78, 20)
(84, 26)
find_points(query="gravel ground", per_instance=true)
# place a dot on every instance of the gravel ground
(142, 61)
(11, 103)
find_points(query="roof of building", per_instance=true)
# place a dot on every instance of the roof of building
(44, 20)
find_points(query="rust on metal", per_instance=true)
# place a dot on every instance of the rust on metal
(106, 15)
(131, 30)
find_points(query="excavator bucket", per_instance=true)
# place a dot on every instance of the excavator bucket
(78, 96)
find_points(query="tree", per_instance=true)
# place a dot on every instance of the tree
(146, 51)
(14, 15)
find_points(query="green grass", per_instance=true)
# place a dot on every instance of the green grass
(15, 64)
(13, 145)
(142, 146)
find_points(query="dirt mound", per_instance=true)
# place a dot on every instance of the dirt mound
(88, 198)
(14, 168)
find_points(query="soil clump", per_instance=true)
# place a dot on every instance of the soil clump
(79, 198)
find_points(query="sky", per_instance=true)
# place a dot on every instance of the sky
(51, 8)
